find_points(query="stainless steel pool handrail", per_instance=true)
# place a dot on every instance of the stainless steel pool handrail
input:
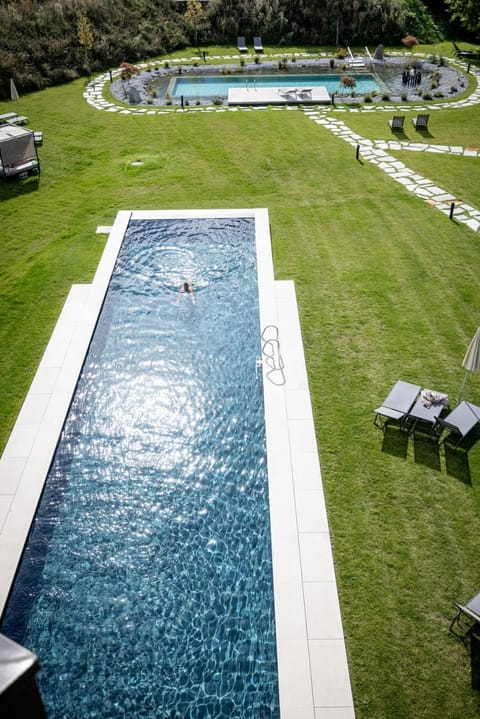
(273, 357)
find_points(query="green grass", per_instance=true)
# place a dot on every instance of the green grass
(387, 288)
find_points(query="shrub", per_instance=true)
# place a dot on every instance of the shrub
(127, 70)
(348, 82)
(409, 41)
(439, 93)
(404, 96)
(218, 100)
(385, 96)
(367, 98)
(341, 53)
(331, 62)
(427, 96)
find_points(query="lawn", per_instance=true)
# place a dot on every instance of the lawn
(387, 289)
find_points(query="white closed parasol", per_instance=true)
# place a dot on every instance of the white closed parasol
(471, 361)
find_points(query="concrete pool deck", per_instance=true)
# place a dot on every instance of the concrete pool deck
(313, 670)
(274, 96)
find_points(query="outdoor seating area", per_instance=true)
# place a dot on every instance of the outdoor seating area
(242, 44)
(411, 408)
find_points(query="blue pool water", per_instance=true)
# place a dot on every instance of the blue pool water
(146, 585)
(217, 85)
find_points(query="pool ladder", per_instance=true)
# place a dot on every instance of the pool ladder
(272, 356)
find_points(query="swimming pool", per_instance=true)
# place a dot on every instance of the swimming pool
(146, 587)
(209, 86)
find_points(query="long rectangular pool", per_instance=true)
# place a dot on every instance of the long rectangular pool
(146, 584)
(209, 86)
(148, 502)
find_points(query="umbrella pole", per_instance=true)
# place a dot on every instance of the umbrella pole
(462, 387)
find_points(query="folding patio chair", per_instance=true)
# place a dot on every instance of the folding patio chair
(469, 612)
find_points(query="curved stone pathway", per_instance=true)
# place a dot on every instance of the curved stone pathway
(374, 151)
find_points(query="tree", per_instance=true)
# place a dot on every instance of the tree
(84, 33)
(194, 16)
(468, 12)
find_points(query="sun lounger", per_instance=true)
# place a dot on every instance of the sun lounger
(7, 117)
(18, 120)
(241, 44)
(396, 123)
(459, 422)
(470, 611)
(421, 122)
(473, 54)
(397, 405)
(257, 44)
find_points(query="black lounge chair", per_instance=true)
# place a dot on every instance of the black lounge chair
(241, 44)
(472, 54)
(396, 123)
(459, 422)
(257, 44)
(471, 612)
(421, 122)
(397, 405)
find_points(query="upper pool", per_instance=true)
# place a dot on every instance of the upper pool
(210, 86)
(146, 585)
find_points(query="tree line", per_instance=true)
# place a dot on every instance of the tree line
(46, 42)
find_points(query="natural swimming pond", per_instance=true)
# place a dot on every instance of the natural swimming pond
(146, 586)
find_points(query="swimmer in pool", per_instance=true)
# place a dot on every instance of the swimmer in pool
(187, 289)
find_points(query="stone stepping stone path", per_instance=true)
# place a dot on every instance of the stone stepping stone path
(374, 151)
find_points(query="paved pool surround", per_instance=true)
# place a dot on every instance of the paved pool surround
(313, 670)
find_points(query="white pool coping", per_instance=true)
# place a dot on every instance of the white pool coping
(312, 662)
